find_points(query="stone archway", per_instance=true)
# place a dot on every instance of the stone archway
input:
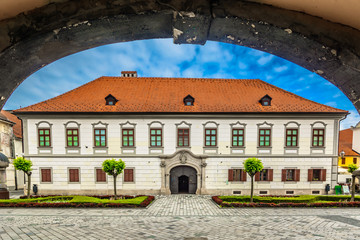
(36, 38)
(183, 163)
(183, 179)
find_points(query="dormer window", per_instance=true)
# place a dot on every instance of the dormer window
(266, 100)
(189, 100)
(110, 100)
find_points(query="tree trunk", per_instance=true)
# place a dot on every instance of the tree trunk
(252, 188)
(353, 189)
(29, 184)
(115, 196)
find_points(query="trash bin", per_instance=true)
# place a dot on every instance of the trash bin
(338, 190)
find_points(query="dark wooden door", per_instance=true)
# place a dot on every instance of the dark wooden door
(183, 184)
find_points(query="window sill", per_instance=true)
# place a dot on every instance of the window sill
(183, 147)
(45, 147)
(101, 182)
(264, 147)
(317, 147)
(211, 147)
(68, 147)
(128, 147)
(99, 147)
(46, 182)
(237, 181)
(237, 147)
(291, 147)
(128, 182)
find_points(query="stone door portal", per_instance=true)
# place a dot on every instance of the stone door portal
(183, 179)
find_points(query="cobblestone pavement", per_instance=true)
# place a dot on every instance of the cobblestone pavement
(180, 217)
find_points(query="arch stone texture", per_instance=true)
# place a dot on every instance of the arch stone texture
(36, 38)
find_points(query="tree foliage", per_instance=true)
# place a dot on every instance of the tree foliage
(253, 165)
(22, 164)
(352, 168)
(113, 167)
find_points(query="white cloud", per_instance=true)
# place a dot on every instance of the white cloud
(351, 120)
(265, 60)
(281, 69)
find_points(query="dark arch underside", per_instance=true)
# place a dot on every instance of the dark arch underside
(32, 40)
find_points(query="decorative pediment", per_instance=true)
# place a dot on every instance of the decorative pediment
(183, 157)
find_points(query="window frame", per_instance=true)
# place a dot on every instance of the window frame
(354, 160)
(156, 135)
(96, 175)
(211, 135)
(100, 137)
(291, 135)
(269, 135)
(44, 135)
(318, 135)
(238, 135)
(343, 161)
(79, 175)
(41, 175)
(72, 135)
(237, 177)
(183, 135)
(133, 175)
(128, 135)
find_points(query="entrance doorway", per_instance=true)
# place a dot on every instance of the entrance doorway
(183, 179)
(183, 184)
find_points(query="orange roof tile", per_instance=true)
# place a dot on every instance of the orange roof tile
(345, 142)
(137, 94)
(17, 126)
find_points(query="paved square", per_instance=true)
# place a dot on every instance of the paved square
(180, 217)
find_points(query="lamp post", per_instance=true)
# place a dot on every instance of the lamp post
(342, 154)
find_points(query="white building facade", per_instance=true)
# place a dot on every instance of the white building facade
(180, 152)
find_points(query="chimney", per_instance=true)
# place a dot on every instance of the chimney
(129, 74)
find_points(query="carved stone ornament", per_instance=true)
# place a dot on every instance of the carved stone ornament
(183, 158)
(163, 164)
(203, 164)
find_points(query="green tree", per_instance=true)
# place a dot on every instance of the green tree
(113, 168)
(351, 169)
(22, 164)
(252, 166)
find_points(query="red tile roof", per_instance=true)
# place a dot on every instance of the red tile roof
(14, 119)
(137, 94)
(345, 142)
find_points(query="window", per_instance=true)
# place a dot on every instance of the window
(46, 175)
(72, 137)
(264, 137)
(44, 137)
(74, 175)
(238, 137)
(343, 161)
(155, 137)
(291, 137)
(354, 160)
(100, 175)
(128, 137)
(290, 175)
(316, 175)
(129, 175)
(210, 137)
(189, 100)
(183, 137)
(100, 137)
(266, 100)
(318, 137)
(264, 175)
(110, 100)
(236, 175)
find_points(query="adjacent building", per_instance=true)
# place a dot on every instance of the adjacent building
(181, 135)
(11, 147)
(349, 148)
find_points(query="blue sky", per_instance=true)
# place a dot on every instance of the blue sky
(162, 58)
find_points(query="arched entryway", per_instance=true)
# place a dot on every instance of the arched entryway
(183, 179)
